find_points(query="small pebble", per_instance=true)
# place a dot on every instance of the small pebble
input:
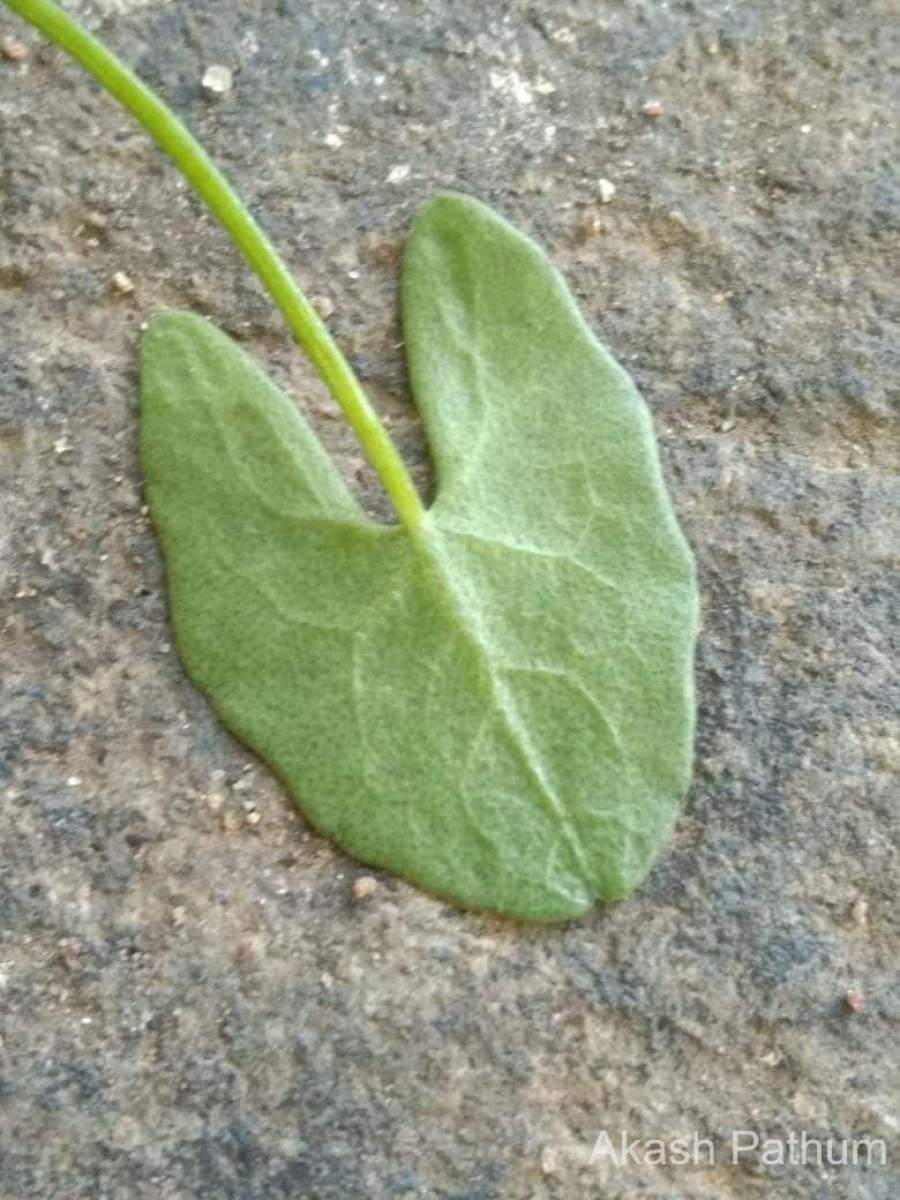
(859, 912)
(386, 253)
(588, 227)
(253, 818)
(217, 80)
(606, 190)
(333, 141)
(399, 173)
(855, 1001)
(70, 951)
(364, 888)
(323, 305)
(249, 44)
(244, 951)
(122, 283)
(652, 108)
(549, 1161)
(12, 50)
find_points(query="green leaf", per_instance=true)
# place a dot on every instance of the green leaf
(496, 704)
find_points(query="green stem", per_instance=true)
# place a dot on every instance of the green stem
(196, 166)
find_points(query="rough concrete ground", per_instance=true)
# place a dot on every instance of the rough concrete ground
(193, 1003)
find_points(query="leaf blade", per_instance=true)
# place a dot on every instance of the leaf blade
(445, 703)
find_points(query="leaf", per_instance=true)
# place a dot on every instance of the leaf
(497, 705)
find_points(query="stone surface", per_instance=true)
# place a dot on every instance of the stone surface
(193, 1002)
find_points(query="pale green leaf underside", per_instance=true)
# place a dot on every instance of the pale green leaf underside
(498, 706)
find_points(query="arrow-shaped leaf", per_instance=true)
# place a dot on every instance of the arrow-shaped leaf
(497, 703)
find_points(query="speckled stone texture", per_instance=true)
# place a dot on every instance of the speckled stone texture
(195, 1002)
